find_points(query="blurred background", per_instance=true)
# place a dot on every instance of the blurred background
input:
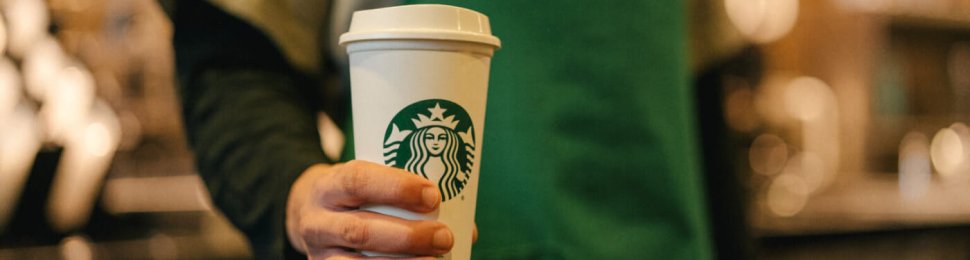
(835, 128)
(93, 158)
(830, 128)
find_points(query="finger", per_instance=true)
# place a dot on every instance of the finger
(475, 234)
(333, 253)
(368, 231)
(357, 183)
(345, 254)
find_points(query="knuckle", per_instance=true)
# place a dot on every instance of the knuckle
(355, 232)
(310, 234)
(320, 189)
(354, 164)
(353, 182)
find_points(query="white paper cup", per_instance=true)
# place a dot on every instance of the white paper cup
(419, 77)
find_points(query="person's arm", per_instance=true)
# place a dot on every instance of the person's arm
(250, 119)
(252, 137)
(252, 144)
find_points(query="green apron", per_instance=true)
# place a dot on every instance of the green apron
(590, 146)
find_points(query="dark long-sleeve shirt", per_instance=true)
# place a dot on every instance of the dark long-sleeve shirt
(250, 118)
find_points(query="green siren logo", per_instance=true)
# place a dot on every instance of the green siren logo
(433, 138)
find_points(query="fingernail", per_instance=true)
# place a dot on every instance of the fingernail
(442, 239)
(430, 197)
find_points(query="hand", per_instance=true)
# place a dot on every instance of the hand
(323, 219)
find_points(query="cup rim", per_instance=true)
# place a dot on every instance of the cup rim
(419, 34)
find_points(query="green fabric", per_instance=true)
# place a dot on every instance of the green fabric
(589, 149)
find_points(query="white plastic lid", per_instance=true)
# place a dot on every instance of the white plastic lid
(420, 22)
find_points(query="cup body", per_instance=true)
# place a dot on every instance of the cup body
(419, 105)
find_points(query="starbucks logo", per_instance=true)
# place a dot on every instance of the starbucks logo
(435, 139)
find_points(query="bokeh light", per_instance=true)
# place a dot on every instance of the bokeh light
(963, 168)
(787, 195)
(947, 152)
(331, 137)
(762, 21)
(807, 98)
(41, 66)
(84, 164)
(97, 140)
(66, 107)
(76, 248)
(27, 22)
(768, 154)
(914, 166)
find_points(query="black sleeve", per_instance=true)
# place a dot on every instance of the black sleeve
(250, 117)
